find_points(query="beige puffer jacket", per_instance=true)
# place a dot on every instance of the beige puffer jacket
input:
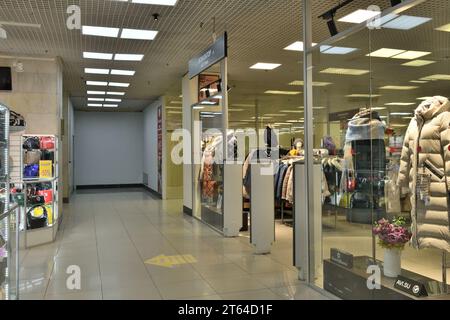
(427, 150)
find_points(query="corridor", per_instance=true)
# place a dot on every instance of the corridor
(130, 245)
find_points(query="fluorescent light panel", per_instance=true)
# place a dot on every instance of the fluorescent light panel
(385, 53)
(410, 54)
(138, 34)
(96, 71)
(96, 99)
(94, 105)
(128, 57)
(419, 81)
(400, 104)
(359, 16)
(114, 93)
(418, 63)
(281, 92)
(435, 77)
(406, 22)
(336, 50)
(315, 83)
(445, 28)
(96, 93)
(97, 83)
(343, 71)
(399, 87)
(113, 100)
(123, 72)
(100, 31)
(111, 105)
(97, 55)
(119, 84)
(265, 66)
(362, 95)
(157, 2)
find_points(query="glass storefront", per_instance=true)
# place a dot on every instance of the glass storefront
(379, 88)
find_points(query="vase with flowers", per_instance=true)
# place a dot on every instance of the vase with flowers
(392, 236)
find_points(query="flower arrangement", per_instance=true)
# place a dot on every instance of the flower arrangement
(392, 235)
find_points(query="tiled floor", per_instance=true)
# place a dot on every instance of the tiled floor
(110, 235)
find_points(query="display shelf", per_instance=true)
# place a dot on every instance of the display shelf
(39, 156)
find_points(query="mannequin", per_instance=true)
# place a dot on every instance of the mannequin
(297, 149)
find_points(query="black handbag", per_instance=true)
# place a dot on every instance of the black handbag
(32, 143)
(361, 201)
(37, 222)
(48, 155)
(16, 119)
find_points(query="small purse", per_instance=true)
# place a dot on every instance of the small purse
(31, 143)
(37, 217)
(32, 156)
(47, 143)
(31, 171)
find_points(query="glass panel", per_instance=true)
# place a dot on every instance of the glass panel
(417, 138)
(344, 152)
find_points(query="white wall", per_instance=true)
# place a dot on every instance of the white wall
(150, 144)
(108, 148)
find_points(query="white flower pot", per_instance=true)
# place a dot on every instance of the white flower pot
(392, 266)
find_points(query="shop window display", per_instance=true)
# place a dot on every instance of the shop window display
(387, 175)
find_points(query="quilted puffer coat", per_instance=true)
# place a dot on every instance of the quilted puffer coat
(426, 153)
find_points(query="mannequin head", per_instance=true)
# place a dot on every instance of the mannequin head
(298, 144)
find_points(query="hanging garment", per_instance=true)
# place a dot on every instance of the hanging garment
(279, 186)
(286, 182)
(425, 172)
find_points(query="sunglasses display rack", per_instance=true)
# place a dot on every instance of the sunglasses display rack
(39, 175)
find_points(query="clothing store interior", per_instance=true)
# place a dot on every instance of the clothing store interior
(378, 92)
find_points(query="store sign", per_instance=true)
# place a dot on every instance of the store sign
(209, 57)
(411, 287)
(45, 169)
(343, 115)
(342, 258)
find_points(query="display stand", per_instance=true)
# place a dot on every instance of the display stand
(304, 220)
(232, 218)
(37, 236)
(262, 223)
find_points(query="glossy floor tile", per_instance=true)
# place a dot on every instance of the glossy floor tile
(130, 246)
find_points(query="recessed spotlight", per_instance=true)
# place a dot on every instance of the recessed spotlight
(97, 55)
(96, 71)
(138, 34)
(265, 66)
(100, 31)
(128, 57)
(123, 72)
(359, 16)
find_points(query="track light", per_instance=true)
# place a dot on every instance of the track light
(329, 17)
(155, 16)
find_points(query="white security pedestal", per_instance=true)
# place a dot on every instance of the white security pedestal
(262, 220)
(232, 219)
(307, 227)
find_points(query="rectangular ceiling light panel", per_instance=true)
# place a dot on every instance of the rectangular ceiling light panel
(123, 72)
(97, 55)
(119, 84)
(359, 16)
(343, 71)
(113, 93)
(418, 63)
(399, 87)
(405, 22)
(128, 57)
(138, 34)
(157, 2)
(100, 31)
(97, 83)
(280, 92)
(96, 93)
(297, 46)
(96, 71)
(385, 53)
(265, 66)
(411, 55)
(336, 50)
